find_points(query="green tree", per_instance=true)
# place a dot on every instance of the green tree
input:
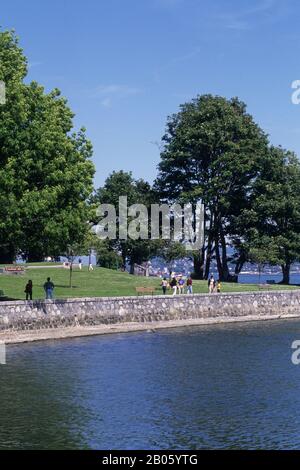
(121, 183)
(274, 213)
(213, 150)
(107, 257)
(263, 252)
(172, 251)
(13, 69)
(46, 175)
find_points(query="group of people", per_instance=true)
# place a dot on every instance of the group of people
(66, 264)
(80, 265)
(48, 288)
(177, 284)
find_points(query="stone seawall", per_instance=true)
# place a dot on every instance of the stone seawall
(49, 314)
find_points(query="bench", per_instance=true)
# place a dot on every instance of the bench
(14, 270)
(145, 290)
(264, 286)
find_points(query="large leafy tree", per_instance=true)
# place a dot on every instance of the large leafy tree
(213, 150)
(46, 174)
(13, 69)
(274, 213)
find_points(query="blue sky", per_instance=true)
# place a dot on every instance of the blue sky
(125, 65)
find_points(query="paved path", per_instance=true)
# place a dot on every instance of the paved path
(46, 267)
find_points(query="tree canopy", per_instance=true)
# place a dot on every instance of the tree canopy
(121, 183)
(46, 175)
(271, 223)
(213, 151)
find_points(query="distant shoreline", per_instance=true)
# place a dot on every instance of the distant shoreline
(256, 273)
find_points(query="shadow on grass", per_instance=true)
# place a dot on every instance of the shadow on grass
(4, 299)
(60, 286)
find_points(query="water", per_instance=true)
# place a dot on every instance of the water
(254, 278)
(217, 386)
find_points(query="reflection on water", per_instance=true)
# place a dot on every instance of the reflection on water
(218, 386)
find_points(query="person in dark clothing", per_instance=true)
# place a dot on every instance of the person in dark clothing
(174, 284)
(28, 290)
(48, 288)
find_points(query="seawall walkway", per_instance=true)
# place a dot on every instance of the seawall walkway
(61, 318)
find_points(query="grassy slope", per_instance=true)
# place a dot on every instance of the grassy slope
(100, 282)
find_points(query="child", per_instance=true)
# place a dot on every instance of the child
(164, 285)
(28, 290)
(219, 286)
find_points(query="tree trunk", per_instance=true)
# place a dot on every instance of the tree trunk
(218, 259)
(239, 264)
(226, 275)
(285, 273)
(209, 254)
(199, 264)
(71, 274)
(209, 249)
(222, 264)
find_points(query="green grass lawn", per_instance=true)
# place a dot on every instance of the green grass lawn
(98, 283)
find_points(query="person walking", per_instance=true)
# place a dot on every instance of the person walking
(181, 285)
(49, 288)
(173, 284)
(91, 267)
(219, 286)
(211, 284)
(80, 264)
(189, 285)
(28, 290)
(164, 285)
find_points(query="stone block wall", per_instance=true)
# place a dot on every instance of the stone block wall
(40, 314)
